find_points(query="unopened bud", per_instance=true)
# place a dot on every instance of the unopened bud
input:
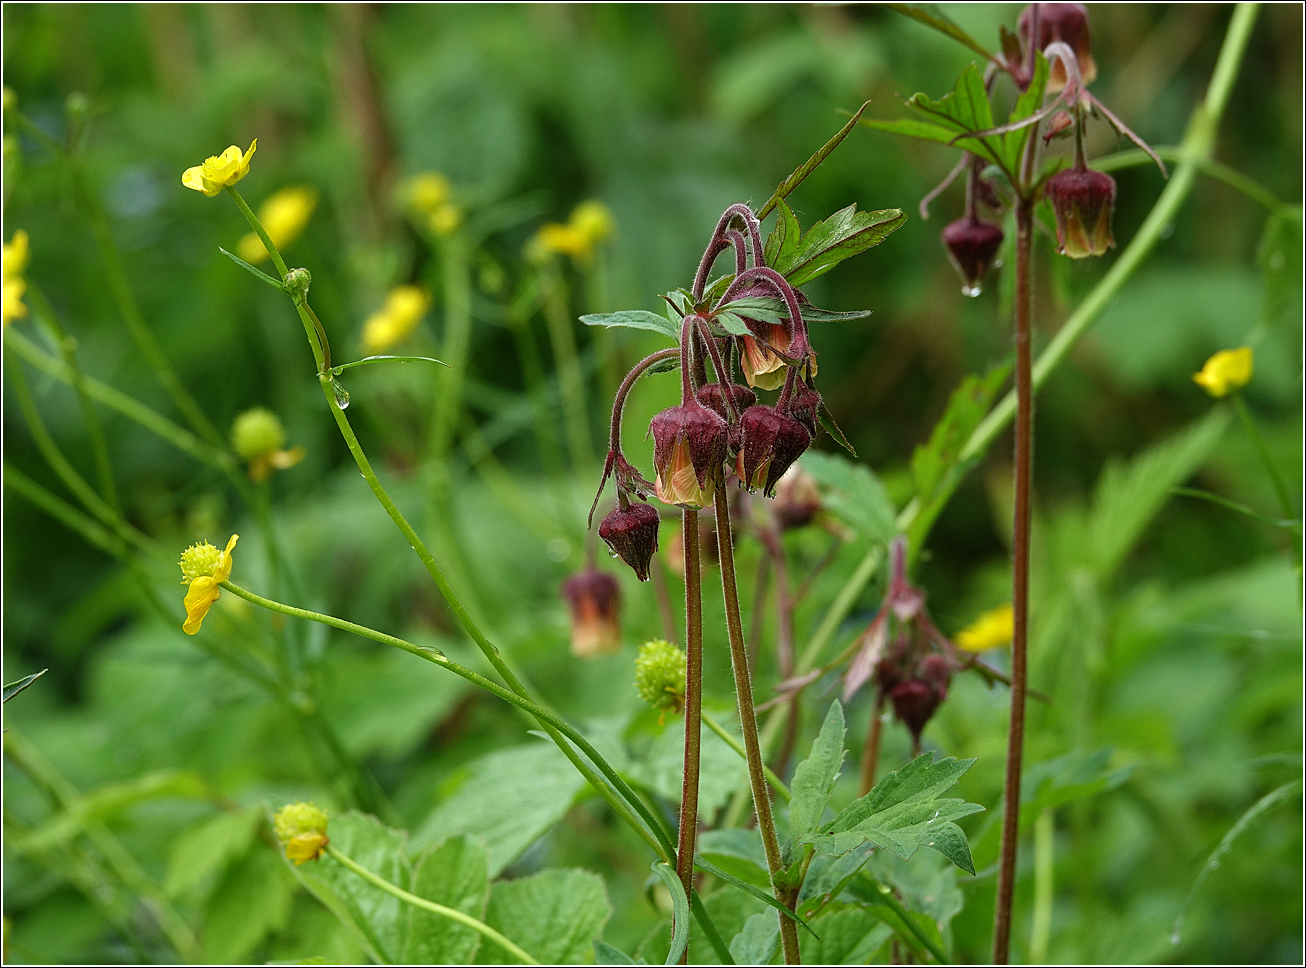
(1082, 200)
(770, 442)
(301, 828)
(689, 446)
(256, 432)
(972, 245)
(660, 675)
(632, 535)
(298, 281)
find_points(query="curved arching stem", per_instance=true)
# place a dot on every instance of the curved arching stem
(798, 347)
(719, 242)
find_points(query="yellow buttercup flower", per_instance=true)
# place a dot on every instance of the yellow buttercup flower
(392, 323)
(1226, 371)
(990, 630)
(284, 217)
(16, 254)
(257, 437)
(205, 568)
(429, 196)
(590, 223)
(301, 828)
(219, 171)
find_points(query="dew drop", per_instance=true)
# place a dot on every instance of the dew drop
(341, 395)
(972, 291)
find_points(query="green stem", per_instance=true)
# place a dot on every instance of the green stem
(1280, 489)
(649, 830)
(454, 347)
(420, 902)
(1044, 867)
(777, 784)
(1219, 171)
(571, 381)
(890, 900)
(63, 512)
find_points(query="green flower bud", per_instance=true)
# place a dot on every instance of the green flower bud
(660, 675)
(298, 281)
(301, 828)
(257, 432)
(198, 561)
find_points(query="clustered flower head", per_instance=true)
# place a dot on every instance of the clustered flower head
(430, 199)
(204, 568)
(219, 171)
(595, 602)
(301, 828)
(258, 439)
(590, 224)
(284, 215)
(404, 308)
(660, 675)
(16, 255)
(1225, 372)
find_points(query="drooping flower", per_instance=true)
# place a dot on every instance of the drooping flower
(660, 675)
(301, 828)
(257, 437)
(404, 308)
(17, 252)
(632, 534)
(595, 601)
(205, 568)
(1082, 200)
(972, 244)
(990, 630)
(689, 446)
(1226, 371)
(763, 367)
(1068, 23)
(219, 171)
(770, 441)
(284, 216)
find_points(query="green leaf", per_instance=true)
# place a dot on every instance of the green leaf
(853, 494)
(205, 849)
(1065, 779)
(1129, 495)
(1279, 257)
(937, 464)
(918, 931)
(768, 309)
(810, 165)
(731, 323)
(815, 777)
(932, 16)
(680, 909)
(964, 110)
(738, 851)
(912, 128)
(708, 867)
(253, 899)
(902, 813)
(848, 935)
(14, 688)
(757, 943)
(455, 874)
(257, 273)
(950, 841)
(723, 772)
(827, 877)
(782, 243)
(1013, 142)
(337, 370)
(510, 798)
(381, 918)
(832, 428)
(606, 954)
(554, 915)
(635, 319)
(841, 236)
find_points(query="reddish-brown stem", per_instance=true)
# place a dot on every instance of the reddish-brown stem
(619, 401)
(1020, 587)
(721, 240)
(693, 705)
(871, 750)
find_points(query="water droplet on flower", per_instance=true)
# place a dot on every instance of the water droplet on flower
(972, 291)
(341, 395)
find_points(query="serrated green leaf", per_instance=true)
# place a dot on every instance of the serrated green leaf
(903, 811)
(810, 165)
(771, 310)
(635, 319)
(950, 841)
(849, 935)
(853, 494)
(554, 915)
(965, 109)
(783, 241)
(205, 849)
(841, 236)
(455, 874)
(757, 943)
(815, 777)
(731, 323)
(912, 128)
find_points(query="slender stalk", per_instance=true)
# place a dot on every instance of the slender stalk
(571, 381)
(871, 751)
(693, 703)
(1020, 585)
(748, 720)
(1280, 489)
(777, 784)
(454, 346)
(1044, 868)
(453, 914)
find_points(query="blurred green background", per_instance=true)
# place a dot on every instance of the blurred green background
(1182, 661)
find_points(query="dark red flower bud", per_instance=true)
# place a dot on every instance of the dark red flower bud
(914, 703)
(689, 446)
(595, 607)
(1066, 22)
(803, 405)
(936, 670)
(797, 498)
(632, 534)
(972, 244)
(770, 442)
(713, 397)
(1082, 200)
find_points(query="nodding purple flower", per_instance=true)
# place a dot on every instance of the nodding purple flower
(972, 244)
(1082, 200)
(595, 602)
(689, 447)
(802, 403)
(1065, 22)
(713, 396)
(770, 441)
(632, 535)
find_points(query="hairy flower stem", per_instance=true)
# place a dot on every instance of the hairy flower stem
(693, 704)
(420, 902)
(748, 720)
(1020, 585)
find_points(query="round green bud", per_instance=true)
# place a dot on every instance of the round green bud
(198, 561)
(257, 432)
(298, 281)
(296, 819)
(660, 675)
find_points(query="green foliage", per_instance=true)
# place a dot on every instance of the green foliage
(854, 494)
(635, 319)
(803, 256)
(815, 777)
(846, 935)
(456, 874)
(554, 915)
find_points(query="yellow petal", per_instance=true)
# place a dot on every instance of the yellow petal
(203, 593)
(193, 178)
(16, 254)
(1226, 371)
(225, 561)
(990, 630)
